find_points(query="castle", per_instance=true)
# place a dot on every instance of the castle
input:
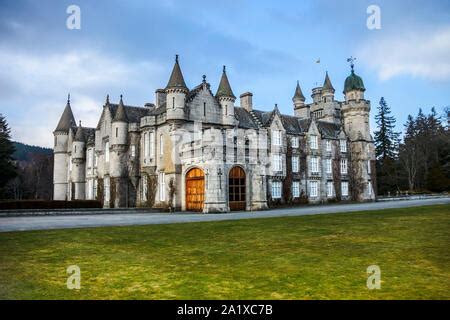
(195, 150)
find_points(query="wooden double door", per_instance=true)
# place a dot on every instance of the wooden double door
(237, 189)
(195, 190)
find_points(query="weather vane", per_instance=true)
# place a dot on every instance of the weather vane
(352, 62)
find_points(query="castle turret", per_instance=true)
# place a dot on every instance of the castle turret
(61, 158)
(79, 164)
(119, 125)
(118, 158)
(327, 90)
(355, 115)
(300, 109)
(354, 87)
(176, 91)
(226, 99)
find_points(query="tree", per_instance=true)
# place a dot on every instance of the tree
(387, 142)
(386, 139)
(7, 167)
(408, 153)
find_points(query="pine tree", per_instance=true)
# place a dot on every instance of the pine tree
(386, 149)
(386, 139)
(7, 167)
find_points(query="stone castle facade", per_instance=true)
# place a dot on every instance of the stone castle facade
(197, 151)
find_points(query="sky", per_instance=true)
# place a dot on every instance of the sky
(128, 47)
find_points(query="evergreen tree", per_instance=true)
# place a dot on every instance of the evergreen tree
(386, 149)
(386, 138)
(7, 167)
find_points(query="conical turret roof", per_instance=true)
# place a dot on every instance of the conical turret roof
(176, 80)
(298, 93)
(79, 136)
(327, 83)
(224, 89)
(67, 120)
(120, 115)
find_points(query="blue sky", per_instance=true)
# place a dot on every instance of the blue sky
(128, 47)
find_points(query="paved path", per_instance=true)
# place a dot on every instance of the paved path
(122, 218)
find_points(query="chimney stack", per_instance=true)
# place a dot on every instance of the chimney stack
(246, 101)
(160, 97)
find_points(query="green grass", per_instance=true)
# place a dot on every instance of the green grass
(309, 257)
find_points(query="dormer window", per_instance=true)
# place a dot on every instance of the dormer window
(276, 137)
(313, 142)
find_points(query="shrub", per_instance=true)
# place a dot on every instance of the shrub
(49, 204)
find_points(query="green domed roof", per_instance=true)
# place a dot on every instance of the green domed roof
(353, 82)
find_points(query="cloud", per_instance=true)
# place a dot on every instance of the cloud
(418, 53)
(35, 87)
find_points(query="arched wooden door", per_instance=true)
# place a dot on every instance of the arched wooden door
(195, 190)
(236, 189)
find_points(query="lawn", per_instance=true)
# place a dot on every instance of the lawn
(308, 257)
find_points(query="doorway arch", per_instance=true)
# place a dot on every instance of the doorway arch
(237, 189)
(195, 189)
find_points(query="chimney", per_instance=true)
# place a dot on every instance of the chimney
(160, 97)
(246, 101)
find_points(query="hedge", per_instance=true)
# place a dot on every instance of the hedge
(49, 204)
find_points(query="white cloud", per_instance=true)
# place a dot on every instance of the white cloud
(35, 87)
(418, 53)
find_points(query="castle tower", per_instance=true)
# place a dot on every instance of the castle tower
(355, 116)
(300, 109)
(118, 161)
(327, 90)
(61, 157)
(176, 91)
(79, 164)
(226, 99)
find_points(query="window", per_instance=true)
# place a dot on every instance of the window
(152, 144)
(95, 159)
(117, 132)
(328, 145)
(329, 189)
(161, 144)
(369, 188)
(343, 145)
(277, 165)
(313, 142)
(144, 187)
(344, 188)
(95, 188)
(173, 102)
(343, 166)
(70, 163)
(204, 109)
(106, 187)
(133, 150)
(89, 190)
(295, 164)
(146, 145)
(328, 166)
(162, 186)
(369, 169)
(276, 137)
(296, 189)
(276, 189)
(314, 189)
(107, 151)
(314, 165)
(90, 158)
(294, 142)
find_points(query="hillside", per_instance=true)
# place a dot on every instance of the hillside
(23, 151)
